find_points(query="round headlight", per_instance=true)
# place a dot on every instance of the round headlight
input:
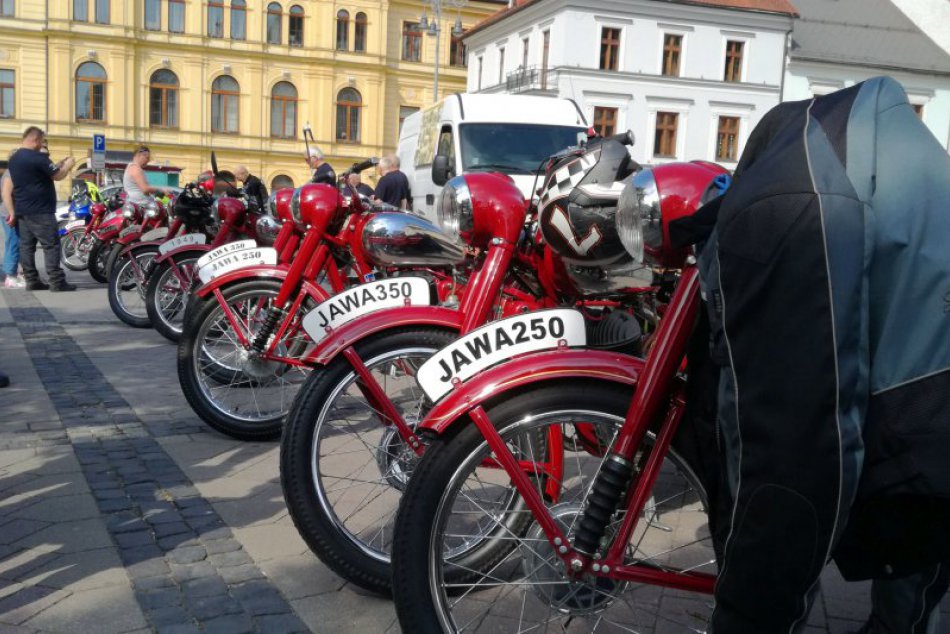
(295, 207)
(639, 221)
(128, 210)
(272, 204)
(454, 209)
(267, 230)
(151, 209)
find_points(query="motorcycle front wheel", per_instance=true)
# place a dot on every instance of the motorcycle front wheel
(238, 393)
(166, 294)
(98, 258)
(74, 249)
(453, 498)
(127, 285)
(342, 468)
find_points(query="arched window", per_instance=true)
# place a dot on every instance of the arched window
(274, 18)
(163, 99)
(295, 36)
(342, 30)
(90, 92)
(359, 33)
(281, 181)
(225, 94)
(238, 20)
(283, 110)
(348, 104)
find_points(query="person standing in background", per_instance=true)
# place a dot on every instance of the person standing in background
(393, 186)
(253, 186)
(11, 248)
(34, 213)
(136, 185)
(356, 182)
(322, 172)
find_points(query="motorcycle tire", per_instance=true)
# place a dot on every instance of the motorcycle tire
(123, 283)
(98, 257)
(423, 602)
(165, 301)
(315, 430)
(70, 249)
(236, 421)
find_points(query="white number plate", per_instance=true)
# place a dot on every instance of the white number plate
(365, 298)
(74, 224)
(265, 256)
(187, 240)
(230, 247)
(499, 341)
(155, 234)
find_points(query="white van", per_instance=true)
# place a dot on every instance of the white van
(512, 134)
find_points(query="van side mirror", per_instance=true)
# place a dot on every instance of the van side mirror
(442, 169)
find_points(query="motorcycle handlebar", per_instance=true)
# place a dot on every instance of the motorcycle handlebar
(359, 167)
(625, 138)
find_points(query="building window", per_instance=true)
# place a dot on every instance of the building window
(479, 75)
(672, 49)
(90, 92)
(342, 30)
(727, 141)
(80, 9)
(102, 11)
(176, 16)
(918, 109)
(405, 111)
(6, 9)
(215, 18)
(348, 104)
(605, 121)
(238, 20)
(525, 44)
(225, 94)
(545, 50)
(664, 142)
(295, 35)
(283, 110)
(7, 94)
(501, 64)
(609, 48)
(163, 99)
(457, 53)
(281, 181)
(274, 18)
(411, 42)
(153, 15)
(734, 61)
(359, 33)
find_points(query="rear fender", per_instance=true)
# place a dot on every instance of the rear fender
(194, 248)
(378, 321)
(553, 365)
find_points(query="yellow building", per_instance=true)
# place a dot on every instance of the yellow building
(240, 77)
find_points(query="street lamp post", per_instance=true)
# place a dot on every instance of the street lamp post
(434, 27)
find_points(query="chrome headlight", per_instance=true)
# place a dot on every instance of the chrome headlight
(272, 204)
(295, 207)
(151, 209)
(639, 220)
(454, 210)
(267, 230)
(128, 210)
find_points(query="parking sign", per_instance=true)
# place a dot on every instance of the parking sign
(98, 151)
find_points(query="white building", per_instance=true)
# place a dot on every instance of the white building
(837, 44)
(691, 78)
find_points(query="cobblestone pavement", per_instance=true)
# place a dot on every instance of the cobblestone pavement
(121, 512)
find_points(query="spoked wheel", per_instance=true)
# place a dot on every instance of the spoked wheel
(74, 249)
(166, 294)
(235, 390)
(127, 286)
(343, 469)
(97, 260)
(453, 499)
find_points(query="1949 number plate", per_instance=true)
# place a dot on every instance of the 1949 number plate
(265, 256)
(365, 298)
(228, 248)
(496, 342)
(187, 240)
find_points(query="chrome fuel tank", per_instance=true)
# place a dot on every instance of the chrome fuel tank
(403, 239)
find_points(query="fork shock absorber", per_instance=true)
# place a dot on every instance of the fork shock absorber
(605, 496)
(267, 328)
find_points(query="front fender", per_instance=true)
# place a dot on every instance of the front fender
(278, 272)
(377, 321)
(135, 245)
(552, 365)
(193, 248)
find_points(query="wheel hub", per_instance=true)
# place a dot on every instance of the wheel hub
(395, 458)
(254, 367)
(573, 595)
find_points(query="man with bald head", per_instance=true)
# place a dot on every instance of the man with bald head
(253, 186)
(393, 186)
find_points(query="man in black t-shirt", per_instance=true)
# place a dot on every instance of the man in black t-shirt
(393, 186)
(33, 174)
(322, 172)
(253, 186)
(356, 181)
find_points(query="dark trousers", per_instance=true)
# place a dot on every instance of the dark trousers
(40, 228)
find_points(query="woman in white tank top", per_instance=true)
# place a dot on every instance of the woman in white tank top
(134, 182)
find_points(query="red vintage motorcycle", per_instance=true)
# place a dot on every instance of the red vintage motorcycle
(549, 498)
(104, 230)
(361, 400)
(250, 319)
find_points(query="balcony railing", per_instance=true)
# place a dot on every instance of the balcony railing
(531, 78)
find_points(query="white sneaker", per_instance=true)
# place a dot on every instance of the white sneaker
(14, 281)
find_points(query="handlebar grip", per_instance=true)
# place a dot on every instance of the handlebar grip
(626, 138)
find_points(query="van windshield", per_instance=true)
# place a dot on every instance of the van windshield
(514, 148)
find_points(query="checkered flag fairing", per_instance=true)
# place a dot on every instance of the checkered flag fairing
(567, 177)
